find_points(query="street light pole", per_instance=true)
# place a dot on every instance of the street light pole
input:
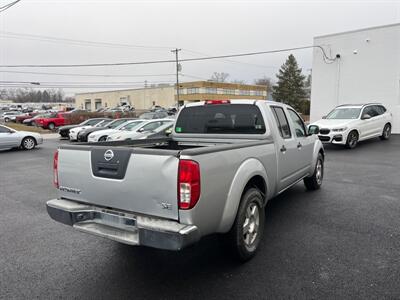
(177, 74)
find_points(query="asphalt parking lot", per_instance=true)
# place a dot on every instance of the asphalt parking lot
(342, 241)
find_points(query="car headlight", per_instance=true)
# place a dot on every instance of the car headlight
(339, 129)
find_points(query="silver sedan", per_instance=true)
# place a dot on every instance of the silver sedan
(10, 138)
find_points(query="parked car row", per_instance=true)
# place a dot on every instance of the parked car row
(103, 129)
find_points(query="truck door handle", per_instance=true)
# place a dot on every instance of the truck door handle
(299, 145)
(283, 148)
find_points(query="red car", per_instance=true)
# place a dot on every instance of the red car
(52, 121)
(21, 118)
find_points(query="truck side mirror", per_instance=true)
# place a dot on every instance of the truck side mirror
(323, 117)
(313, 129)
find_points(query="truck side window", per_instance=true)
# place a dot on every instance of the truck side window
(298, 123)
(282, 122)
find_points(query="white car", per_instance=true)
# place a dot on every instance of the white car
(10, 138)
(10, 116)
(101, 135)
(73, 133)
(142, 131)
(348, 124)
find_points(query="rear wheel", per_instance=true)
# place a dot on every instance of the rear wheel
(28, 143)
(6, 120)
(315, 181)
(247, 231)
(387, 131)
(51, 126)
(352, 140)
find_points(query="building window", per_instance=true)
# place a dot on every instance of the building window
(97, 104)
(245, 92)
(229, 92)
(193, 91)
(88, 104)
(258, 93)
(211, 90)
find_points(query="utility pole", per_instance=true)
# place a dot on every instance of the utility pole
(178, 67)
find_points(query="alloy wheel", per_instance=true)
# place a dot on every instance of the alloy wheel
(251, 224)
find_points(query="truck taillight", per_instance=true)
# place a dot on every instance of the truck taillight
(55, 169)
(188, 183)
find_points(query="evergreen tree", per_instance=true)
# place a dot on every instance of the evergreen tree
(290, 86)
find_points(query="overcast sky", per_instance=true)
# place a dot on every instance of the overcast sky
(197, 27)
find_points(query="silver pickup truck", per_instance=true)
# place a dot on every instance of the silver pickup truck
(214, 174)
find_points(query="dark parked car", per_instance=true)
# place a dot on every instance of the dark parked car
(83, 135)
(63, 131)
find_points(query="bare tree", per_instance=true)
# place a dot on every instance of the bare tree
(238, 81)
(265, 81)
(219, 76)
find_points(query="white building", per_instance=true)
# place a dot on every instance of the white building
(368, 70)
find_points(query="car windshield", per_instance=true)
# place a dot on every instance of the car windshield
(103, 123)
(344, 113)
(131, 126)
(116, 123)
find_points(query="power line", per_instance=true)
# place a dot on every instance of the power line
(80, 82)
(126, 86)
(7, 6)
(230, 61)
(86, 75)
(25, 36)
(171, 61)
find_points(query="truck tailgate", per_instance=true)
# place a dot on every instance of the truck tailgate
(120, 178)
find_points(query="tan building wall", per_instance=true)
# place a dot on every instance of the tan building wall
(139, 98)
(166, 96)
(208, 90)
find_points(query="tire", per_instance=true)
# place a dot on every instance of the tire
(352, 140)
(28, 143)
(314, 182)
(6, 120)
(51, 126)
(103, 138)
(387, 131)
(244, 239)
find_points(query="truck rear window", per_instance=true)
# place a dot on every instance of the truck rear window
(221, 119)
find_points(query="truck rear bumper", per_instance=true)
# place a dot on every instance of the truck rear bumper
(123, 227)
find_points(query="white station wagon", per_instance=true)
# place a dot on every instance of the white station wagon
(350, 123)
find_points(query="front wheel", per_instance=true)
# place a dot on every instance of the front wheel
(352, 140)
(315, 181)
(247, 231)
(387, 130)
(28, 143)
(103, 138)
(6, 120)
(51, 126)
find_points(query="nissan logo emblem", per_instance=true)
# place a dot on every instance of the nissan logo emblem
(108, 155)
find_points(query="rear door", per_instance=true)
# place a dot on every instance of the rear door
(370, 126)
(289, 168)
(121, 178)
